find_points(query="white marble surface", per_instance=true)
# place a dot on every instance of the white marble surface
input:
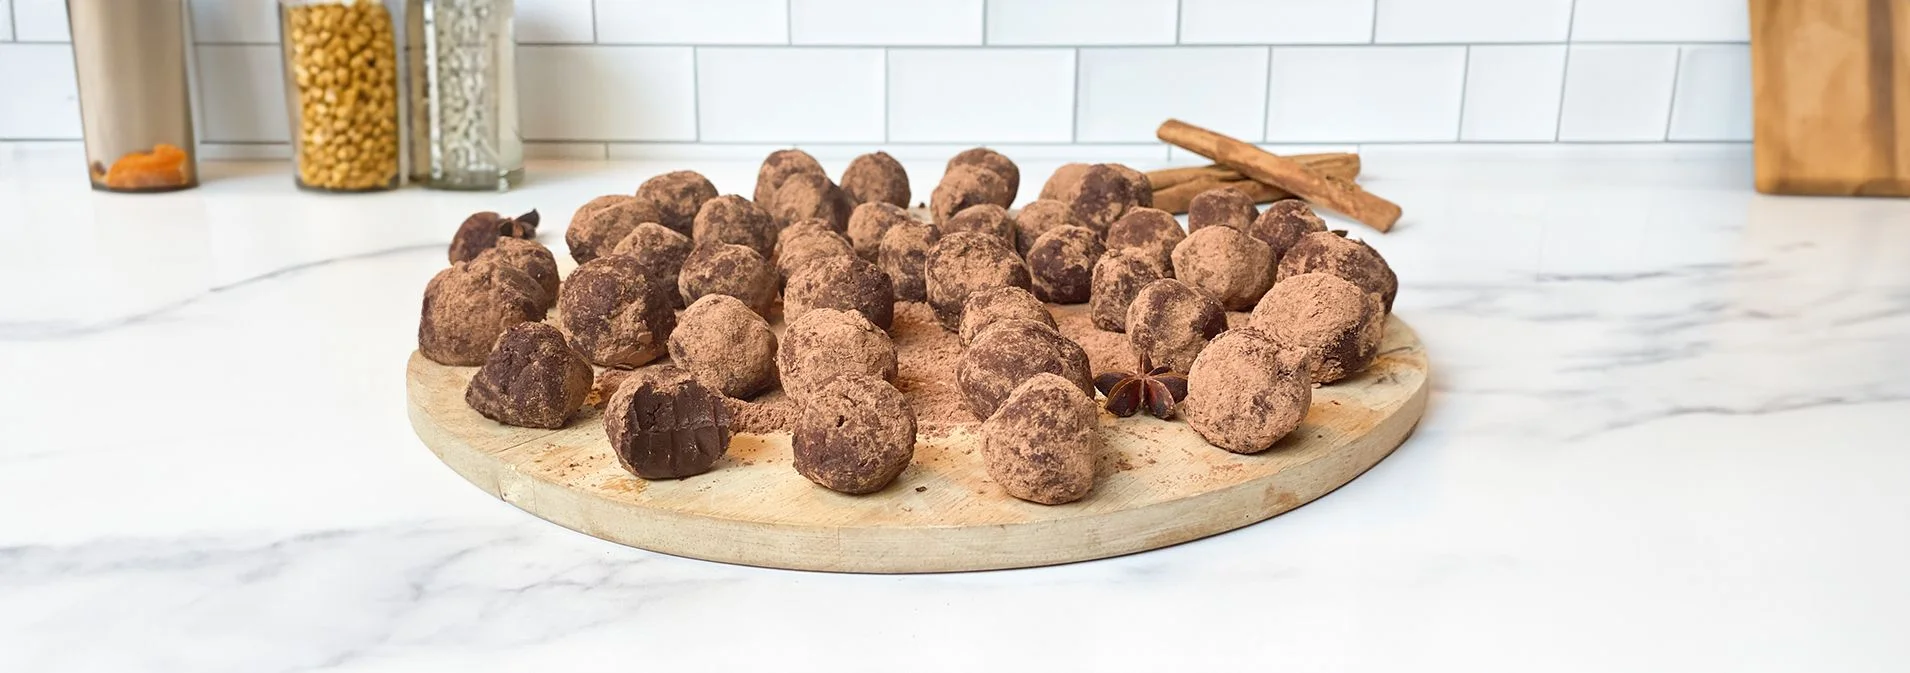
(1668, 434)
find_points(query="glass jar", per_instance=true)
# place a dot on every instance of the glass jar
(341, 88)
(462, 63)
(135, 111)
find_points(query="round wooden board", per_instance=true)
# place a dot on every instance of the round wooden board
(1158, 483)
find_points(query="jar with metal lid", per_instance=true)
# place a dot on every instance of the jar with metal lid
(130, 58)
(461, 59)
(341, 82)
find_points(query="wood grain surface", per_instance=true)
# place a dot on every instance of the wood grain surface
(1831, 96)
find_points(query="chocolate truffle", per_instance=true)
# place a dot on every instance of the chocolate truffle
(1149, 232)
(995, 162)
(869, 222)
(532, 258)
(904, 250)
(855, 436)
(776, 169)
(611, 378)
(1245, 392)
(659, 250)
(734, 270)
(960, 264)
(1143, 187)
(666, 430)
(1011, 351)
(726, 345)
(1037, 218)
(996, 304)
(964, 186)
(826, 343)
(1335, 254)
(677, 195)
(1282, 225)
(1117, 278)
(532, 379)
(1169, 322)
(1062, 180)
(808, 195)
(469, 304)
(590, 208)
(596, 234)
(1040, 444)
(986, 218)
(616, 312)
(1061, 264)
(1221, 207)
(876, 177)
(481, 231)
(733, 219)
(843, 282)
(806, 242)
(1104, 193)
(1341, 323)
(1233, 267)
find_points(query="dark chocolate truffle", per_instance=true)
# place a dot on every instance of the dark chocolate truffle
(1062, 181)
(588, 210)
(904, 250)
(1117, 278)
(806, 242)
(481, 231)
(596, 234)
(1011, 351)
(677, 195)
(1143, 187)
(1062, 264)
(1333, 253)
(811, 196)
(869, 222)
(1169, 322)
(985, 218)
(960, 264)
(843, 282)
(1245, 392)
(826, 343)
(469, 304)
(856, 434)
(726, 345)
(1341, 323)
(659, 250)
(964, 186)
(666, 430)
(983, 157)
(1149, 232)
(532, 258)
(1233, 267)
(734, 270)
(1221, 207)
(1104, 193)
(733, 219)
(876, 177)
(1037, 218)
(532, 379)
(616, 312)
(776, 169)
(1283, 224)
(1040, 444)
(996, 304)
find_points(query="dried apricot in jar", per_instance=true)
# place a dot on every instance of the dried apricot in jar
(162, 167)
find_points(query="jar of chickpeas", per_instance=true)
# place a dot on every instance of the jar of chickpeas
(341, 81)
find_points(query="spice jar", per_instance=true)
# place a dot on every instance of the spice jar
(130, 58)
(461, 57)
(341, 79)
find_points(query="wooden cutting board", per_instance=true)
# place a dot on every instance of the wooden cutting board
(1831, 92)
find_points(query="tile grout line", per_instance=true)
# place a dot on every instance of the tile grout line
(1677, 63)
(789, 21)
(696, 93)
(1372, 29)
(1266, 101)
(593, 22)
(1074, 121)
(1565, 71)
(1059, 45)
(985, 4)
(1465, 82)
(888, 99)
(1180, 6)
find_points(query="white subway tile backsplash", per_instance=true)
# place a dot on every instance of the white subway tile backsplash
(1378, 94)
(235, 21)
(1031, 99)
(1276, 21)
(564, 151)
(555, 21)
(1124, 94)
(607, 93)
(790, 94)
(39, 20)
(1617, 92)
(693, 21)
(1081, 22)
(1661, 20)
(1713, 95)
(1473, 20)
(886, 22)
(43, 98)
(1512, 92)
(242, 93)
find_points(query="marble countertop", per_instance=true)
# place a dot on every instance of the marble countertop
(1668, 432)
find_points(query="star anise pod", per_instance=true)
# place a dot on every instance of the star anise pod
(1156, 390)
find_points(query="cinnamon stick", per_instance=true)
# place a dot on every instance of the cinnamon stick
(1343, 164)
(1328, 192)
(1176, 196)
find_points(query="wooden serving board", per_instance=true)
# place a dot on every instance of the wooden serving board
(1158, 483)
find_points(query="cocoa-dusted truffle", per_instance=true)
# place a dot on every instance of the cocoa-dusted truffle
(856, 434)
(734, 270)
(1062, 264)
(532, 258)
(964, 186)
(733, 219)
(1221, 207)
(677, 195)
(1104, 193)
(1245, 392)
(469, 304)
(666, 429)
(726, 345)
(532, 379)
(1341, 323)
(1040, 444)
(616, 312)
(776, 169)
(876, 177)
(1233, 267)
(809, 195)
(825, 343)
(996, 304)
(995, 162)
(807, 242)
(960, 264)
(1169, 322)
(843, 282)
(1062, 180)
(869, 222)
(1143, 188)
(481, 231)
(1149, 232)
(611, 378)
(1117, 278)
(903, 252)
(1037, 218)
(986, 218)
(589, 209)
(1282, 225)
(596, 234)
(1009, 352)
(657, 249)
(1333, 253)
